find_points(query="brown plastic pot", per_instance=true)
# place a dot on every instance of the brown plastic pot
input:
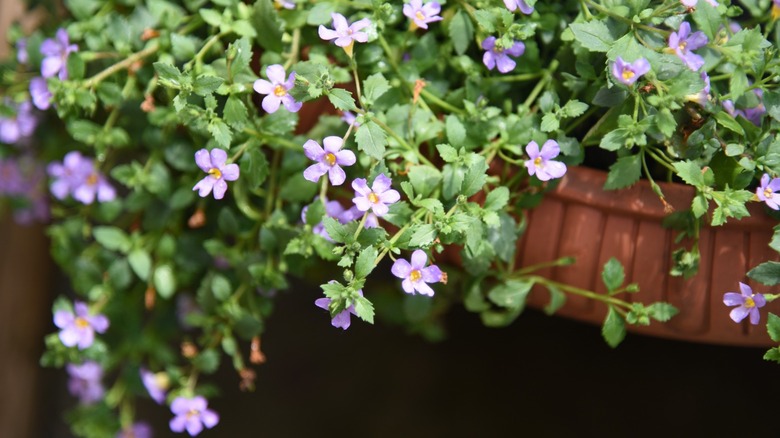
(581, 219)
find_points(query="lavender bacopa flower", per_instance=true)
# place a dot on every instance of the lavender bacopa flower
(683, 42)
(335, 210)
(349, 119)
(55, 52)
(342, 319)
(421, 14)
(541, 163)
(692, 3)
(40, 94)
(415, 275)
(513, 5)
(748, 304)
(498, 56)
(192, 414)
(219, 172)
(22, 56)
(703, 96)
(754, 115)
(14, 129)
(155, 384)
(78, 327)
(136, 430)
(329, 160)
(766, 192)
(277, 90)
(11, 179)
(375, 198)
(279, 4)
(84, 382)
(78, 177)
(628, 73)
(344, 33)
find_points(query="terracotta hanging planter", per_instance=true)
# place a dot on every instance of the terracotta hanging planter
(582, 220)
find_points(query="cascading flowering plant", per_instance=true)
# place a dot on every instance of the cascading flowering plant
(205, 153)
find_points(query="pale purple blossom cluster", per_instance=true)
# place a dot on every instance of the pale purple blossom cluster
(24, 180)
(422, 14)
(342, 319)
(78, 177)
(344, 34)
(155, 383)
(335, 210)
(192, 414)
(692, 3)
(376, 198)
(541, 163)
(85, 382)
(746, 302)
(56, 51)
(214, 163)
(40, 94)
(755, 114)
(277, 90)
(136, 430)
(78, 326)
(627, 73)
(497, 56)
(683, 43)
(16, 129)
(513, 5)
(416, 275)
(767, 191)
(328, 160)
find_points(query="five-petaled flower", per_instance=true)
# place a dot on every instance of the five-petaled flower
(219, 172)
(692, 3)
(498, 56)
(55, 52)
(415, 275)
(628, 72)
(78, 177)
(329, 160)
(375, 198)
(342, 319)
(192, 414)
(541, 163)
(421, 14)
(78, 327)
(683, 42)
(155, 384)
(277, 90)
(513, 5)
(85, 382)
(136, 430)
(767, 190)
(40, 94)
(22, 125)
(748, 304)
(344, 33)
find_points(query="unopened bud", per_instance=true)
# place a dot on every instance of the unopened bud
(256, 355)
(189, 350)
(150, 297)
(198, 219)
(149, 34)
(147, 105)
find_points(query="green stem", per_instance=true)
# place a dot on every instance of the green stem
(294, 49)
(360, 226)
(401, 141)
(122, 65)
(581, 292)
(541, 84)
(398, 235)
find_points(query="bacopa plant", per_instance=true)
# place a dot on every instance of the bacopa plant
(190, 157)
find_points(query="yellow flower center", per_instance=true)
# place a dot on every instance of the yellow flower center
(81, 323)
(280, 91)
(92, 179)
(538, 161)
(419, 15)
(192, 413)
(373, 198)
(330, 158)
(628, 74)
(215, 173)
(682, 45)
(768, 192)
(749, 303)
(775, 12)
(415, 276)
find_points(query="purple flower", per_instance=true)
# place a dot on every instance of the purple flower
(349, 119)
(766, 192)
(11, 180)
(27, 181)
(137, 430)
(192, 414)
(344, 33)
(14, 129)
(683, 43)
(78, 329)
(692, 3)
(218, 172)
(155, 384)
(40, 94)
(84, 382)
(342, 320)
(703, 96)
(416, 276)
(513, 5)
(279, 4)
(277, 90)
(755, 115)
(748, 303)
(21, 51)
(333, 209)
(375, 198)
(78, 177)
(497, 56)
(421, 14)
(628, 73)
(55, 52)
(541, 163)
(329, 160)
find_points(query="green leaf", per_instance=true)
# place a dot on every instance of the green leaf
(773, 354)
(141, 262)
(662, 312)
(625, 172)
(112, 238)
(475, 175)
(773, 326)
(511, 294)
(557, 300)
(456, 132)
(244, 28)
(164, 281)
(665, 122)
(341, 99)
(207, 361)
(573, 108)
(461, 32)
(593, 35)
(337, 231)
(707, 19)
(550, 122)
(424, 179)
(613, 274)
(690, 172)
(266, 17)
(422, 236)
(211, 17)
(221, 132)
(614, 328)
(447, 153)
(320, 13)
(235, 113)
(365, 262)
(767, 273)
(241, 53)
(374, 87)
(738, 83)
(452, 180)
(496, 199)
(725, 120)
(364, 309)
(254, 167)
(221, 288)
(486, 20)
(775, 242)
(371, 139)
(614, 140)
